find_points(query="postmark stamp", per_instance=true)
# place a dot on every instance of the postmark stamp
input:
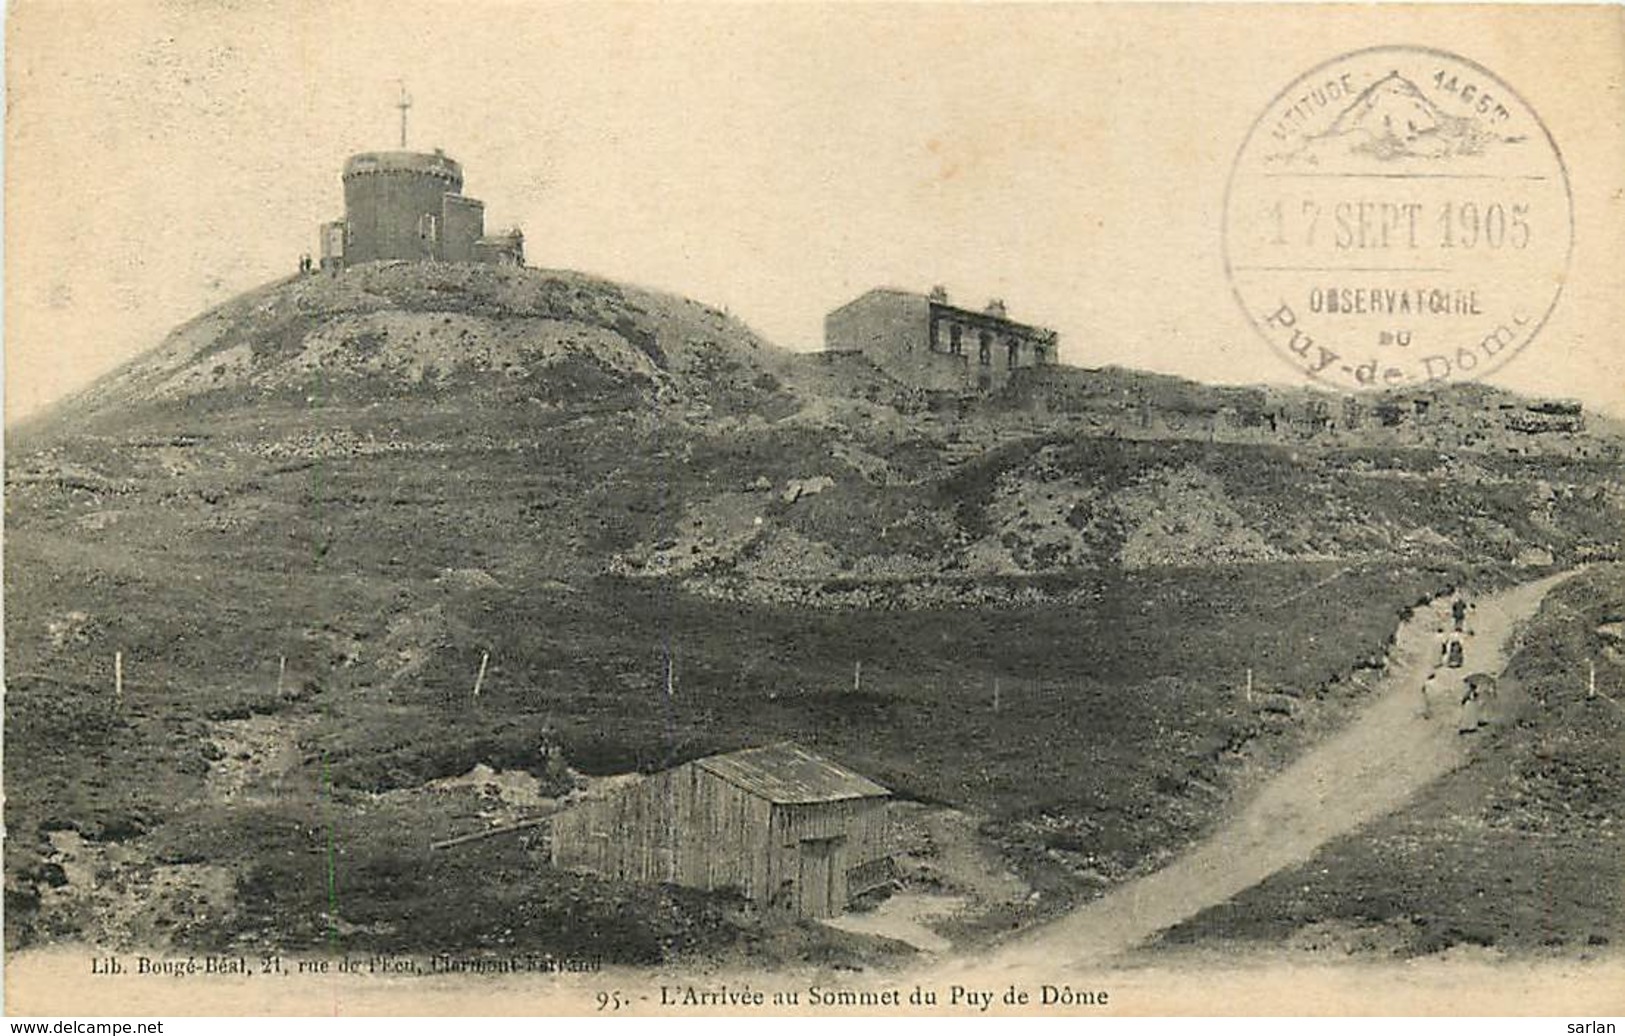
(1398, 215)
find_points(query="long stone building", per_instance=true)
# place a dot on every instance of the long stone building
(927, 342)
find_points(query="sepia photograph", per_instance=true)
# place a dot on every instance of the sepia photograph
(753, 510)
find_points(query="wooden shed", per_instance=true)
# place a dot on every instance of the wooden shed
(791, 830)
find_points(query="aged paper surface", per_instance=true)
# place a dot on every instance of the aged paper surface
(937, 510)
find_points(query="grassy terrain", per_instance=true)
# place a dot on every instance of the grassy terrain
(382, 478)
(1111, 744)
(1519, 850)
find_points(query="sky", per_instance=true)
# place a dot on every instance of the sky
(773, 160)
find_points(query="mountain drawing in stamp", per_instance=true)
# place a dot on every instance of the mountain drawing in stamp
(1393, 119)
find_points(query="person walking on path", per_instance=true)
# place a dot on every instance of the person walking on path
(1454, 655)
(1471, 713)
(1486, 692)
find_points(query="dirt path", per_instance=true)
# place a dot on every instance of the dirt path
(1366, 770)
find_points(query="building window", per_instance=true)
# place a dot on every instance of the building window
(429, 227)
(1039, 358)
(985, 349)
(1015, 352)
(955, 344)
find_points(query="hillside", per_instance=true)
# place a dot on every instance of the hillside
(305, 519)
(1516, 852)
(385, 330)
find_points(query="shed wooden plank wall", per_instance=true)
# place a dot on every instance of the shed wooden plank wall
(626, 836)
(862, 822)
(725, 834)
(690, 827)
(684, 826)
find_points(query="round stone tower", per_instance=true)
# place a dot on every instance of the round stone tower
(394, 204)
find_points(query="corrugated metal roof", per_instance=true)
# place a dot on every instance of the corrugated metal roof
(788, 773)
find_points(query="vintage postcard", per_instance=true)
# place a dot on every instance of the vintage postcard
(940, 510)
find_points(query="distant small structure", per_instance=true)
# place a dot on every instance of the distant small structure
(409, 205)
(929, 343)
(792, 831)
(1548, 415)
(504, 249)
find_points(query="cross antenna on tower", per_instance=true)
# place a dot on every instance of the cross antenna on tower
(403, 104)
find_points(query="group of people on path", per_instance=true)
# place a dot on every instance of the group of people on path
(1453, 655)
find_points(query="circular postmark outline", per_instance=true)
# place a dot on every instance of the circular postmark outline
(1308, 74)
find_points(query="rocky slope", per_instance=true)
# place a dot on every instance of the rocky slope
(662, 438)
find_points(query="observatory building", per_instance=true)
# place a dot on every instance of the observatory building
(925, 341)
(409, 205)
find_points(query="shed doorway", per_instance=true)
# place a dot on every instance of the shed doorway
(821, 883)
